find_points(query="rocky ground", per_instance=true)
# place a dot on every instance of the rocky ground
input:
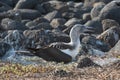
(36, 23)
(53, 71)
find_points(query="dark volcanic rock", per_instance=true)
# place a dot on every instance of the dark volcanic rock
(43, 25)
(54, 5)
(28, 13)
(14, 14)
(36, 38)
(106, 1)
(4, 48)
(52, 15)
(39, 38)
(26, 4)
(91, 41)
(111, 11)
(3, 15)
(16, 39)
(68, 15)
(86, 62)
(9, 24)
(108, 23)
(36, 21)
(72, 22)
(8, 2)
(25, 21)
(79, 5)
(14, 2)
(70, 4)
(62, 27)
(40, 20)
(57, 22)
(89, 3)
(73, 13)
(96, 9)
(4, 7)
(86, 17)
(110, 36)
(116, 49)
(59, 36)
(62, 73)
(40, 8)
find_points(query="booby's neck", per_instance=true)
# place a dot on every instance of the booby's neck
(74, 38)
(76, 46)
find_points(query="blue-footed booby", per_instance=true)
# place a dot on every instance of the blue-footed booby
(61, 51)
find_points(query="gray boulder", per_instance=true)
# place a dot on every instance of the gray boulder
(36, 21)
(25, 21)
(72, 22)
(110, 36)
(4, 7)
(50, 6)
(68, 15)
(40, 8)
(115, 51)
(9, 24)
(36, 38)
(8, 2)
(16, 39)
(106, 1)
(15, 15)
(28, 13)
(79, 5)
(96, 9)
(86, 62)
(56, 22)
(108, 23)
(4, 48)
(111, 11)
(26, 4)
(86, 17)
(89, 3)
(43, 25)
(52, 15)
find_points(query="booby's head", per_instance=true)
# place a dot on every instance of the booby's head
(75, 32)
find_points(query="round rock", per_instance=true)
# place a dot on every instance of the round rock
(110, 36)
(14, 38)
(52, 15)
(86, 17)
(50, 6)
(107, 23)
(26, 4)
(36, 38)
(36, 21)
(28, 13)
(96, 9)
(43, 25)
(4, 48)
(111, 11)
(9, 24)
(4, 7)
(57, 22)
(89, 3)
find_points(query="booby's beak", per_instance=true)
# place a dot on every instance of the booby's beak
(89, 30)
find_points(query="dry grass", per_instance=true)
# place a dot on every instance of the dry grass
(53, 71)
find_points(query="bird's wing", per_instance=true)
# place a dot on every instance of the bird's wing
(61, 45)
